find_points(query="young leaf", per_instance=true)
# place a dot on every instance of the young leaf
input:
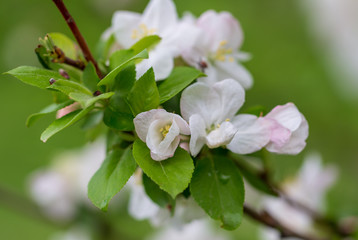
(68, 87)
(114, 173)
(34, 76)
(160, 197)
(90, 78)
(62, 123)
(65, 44)
(172, 175)
(179, 79)
(85, 100)
(144, 95)
(146, 43)
(218, 188)
(47, 110)
(109, 79)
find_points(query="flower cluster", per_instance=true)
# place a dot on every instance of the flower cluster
(210, 43)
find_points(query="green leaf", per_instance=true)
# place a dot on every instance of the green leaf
(125, 80)
(68, 87)
(114, 173)
(92, 120)
(118, 115)
(34, 76)
(146, 43)
(66, 44)
(87, 100)
(160, 197)
(104, 46)
(144, 95)
(109, 79)
(218, 188)
(47, 110)
(64, 122)
(90, 78)
(179, 79)
(172, 175)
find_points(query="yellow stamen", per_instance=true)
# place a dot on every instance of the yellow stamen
(164, 130)
(222, 52)
(142, 31)
(227, 120)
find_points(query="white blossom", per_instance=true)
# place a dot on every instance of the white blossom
(216, 50)
(61, 187)
(159, 18)
(161, 131)
(308, 188)
(211, 111)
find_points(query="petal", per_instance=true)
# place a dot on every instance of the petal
(287, 115)
(182, 124)
(123, 24)
(160, 15)
(279, 134)
(198, 134)
(221, 27)
(252, 134)
(162, 61)
(232, 97)
(143, 120)
(296, 143)
(234, 70)
(201, 99)
(221, 136)
(140, 205)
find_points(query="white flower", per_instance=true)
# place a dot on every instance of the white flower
(161, 131)
(159, 18)
(217, 49)
(196, 230)
(60, 188)
(289, 130)
(211, 111)
(142, 207)
(308, 188)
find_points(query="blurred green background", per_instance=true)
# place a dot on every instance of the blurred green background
(285, 66)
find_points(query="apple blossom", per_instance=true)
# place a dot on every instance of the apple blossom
(309, 189)
(211, 111)
(217, 49)
(159, 18)
(289, 130)
(161, 131)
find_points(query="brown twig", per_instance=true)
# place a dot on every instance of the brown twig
(77, 34)
(60, 57)
(266, 219)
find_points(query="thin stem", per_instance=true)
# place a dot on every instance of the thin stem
(77, 34)
(266, 219)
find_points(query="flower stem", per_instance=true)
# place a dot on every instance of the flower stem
(77, 34)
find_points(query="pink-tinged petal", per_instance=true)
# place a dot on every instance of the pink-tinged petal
(234, 70)
(123, 24)
(66, 110)
(185, 146)
(232, 97)
(160, 15)
(201, 99)
(252, 134)
(287, 115)
(198, 134)
(221, 136)
(182, 124)
(279, 135)
(161, 59)
(220, 27)
(296, 143)
(142, 122)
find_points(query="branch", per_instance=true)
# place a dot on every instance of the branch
(266, 219)
(76, 32)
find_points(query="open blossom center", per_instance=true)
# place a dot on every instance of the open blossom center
(223, 53)
(142, 31)
(164, 130)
